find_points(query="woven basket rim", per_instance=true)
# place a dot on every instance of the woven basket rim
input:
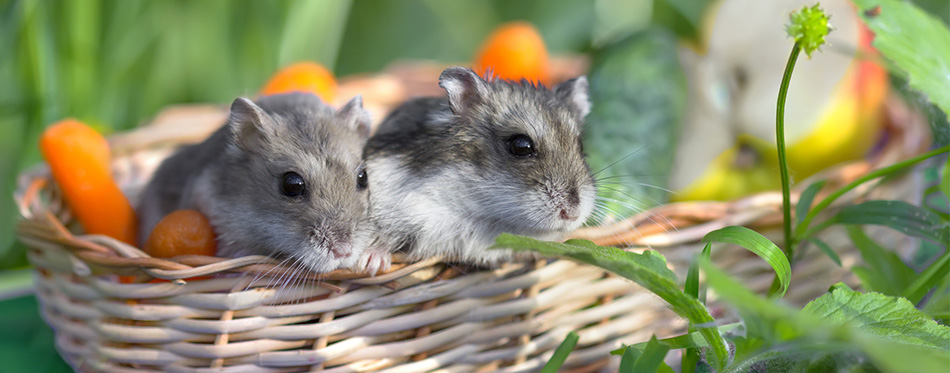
(661, 226)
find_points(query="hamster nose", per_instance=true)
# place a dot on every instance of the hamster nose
(339, 252)
(565, 215)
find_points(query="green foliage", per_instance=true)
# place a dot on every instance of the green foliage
(650, 360)
(821, 245)
(915, 42)
(684, 17)
(808, 27)
(648, 270)
(759, 245)
(886, 272)
(884, 322)
(935, 274)
(630, 134)
(560, 354)
(906, 218)
(806, 199)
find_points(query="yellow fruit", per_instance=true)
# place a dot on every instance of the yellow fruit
(832, 113)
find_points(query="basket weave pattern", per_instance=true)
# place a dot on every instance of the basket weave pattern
(249, 314)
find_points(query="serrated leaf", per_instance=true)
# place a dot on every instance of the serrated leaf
(916, 42)
(648, 270)
(805, 200)
(886, 272)
(821, 245)
(891, 318)
(905, 218)
(759, 245)
(560, 354)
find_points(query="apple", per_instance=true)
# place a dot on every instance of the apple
(727, 147)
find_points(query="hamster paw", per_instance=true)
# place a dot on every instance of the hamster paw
(375, 260)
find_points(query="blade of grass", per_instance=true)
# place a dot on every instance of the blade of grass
(800, 231)
(630, 356)
(651, 360)
(806, 199)
(821, 245)
(759, 245)
(899, 215)
(560, 354)
(928, 279)
(887, 273)
(648, 270)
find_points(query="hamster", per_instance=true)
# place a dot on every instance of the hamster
(283, 177)
(451, 174)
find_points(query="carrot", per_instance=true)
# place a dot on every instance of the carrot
(181, 232)
(514, 51)
(78, 157)
(303, 77)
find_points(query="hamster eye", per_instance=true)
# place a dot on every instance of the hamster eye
(292, 184)
(580, 144)
(361, 179)
(521, 146)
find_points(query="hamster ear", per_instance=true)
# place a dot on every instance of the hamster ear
(250, 125)
(574, 92)
(355, 117)
(465, 88)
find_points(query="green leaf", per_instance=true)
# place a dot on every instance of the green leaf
(684, 341)
(916, 42)
(684, 17)
(692, 275)
(894, 334)
(886, 273)
(648, 270)
(821, 245)
(629, 359)
(805, 200)
(906, 218)
(759, 245)
(651, 360)
(936, 273)
(945, 180)
(560, 354)
(938, 306)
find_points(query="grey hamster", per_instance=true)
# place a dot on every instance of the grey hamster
(284, 177)
(451, 174)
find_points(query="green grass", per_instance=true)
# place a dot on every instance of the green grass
(116, 63)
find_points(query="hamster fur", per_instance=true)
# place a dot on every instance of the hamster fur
(451, 174)
(240, 178)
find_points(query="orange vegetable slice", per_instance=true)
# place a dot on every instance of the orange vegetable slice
(303, 77)
(78, 158)
(182, 232)
(514, 51)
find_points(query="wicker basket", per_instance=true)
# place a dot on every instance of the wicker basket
(241, 315)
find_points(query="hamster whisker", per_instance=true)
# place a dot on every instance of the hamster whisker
(261, 275)
(621, 159)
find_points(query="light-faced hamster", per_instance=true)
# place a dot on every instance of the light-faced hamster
(284, 177)
(451, 174)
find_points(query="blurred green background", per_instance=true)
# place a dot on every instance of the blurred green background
(116, 63)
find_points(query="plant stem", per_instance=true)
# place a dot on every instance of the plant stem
(780, 141)
(800, 230)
